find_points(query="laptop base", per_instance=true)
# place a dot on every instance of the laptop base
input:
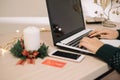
(79, 52)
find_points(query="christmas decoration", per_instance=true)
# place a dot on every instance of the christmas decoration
(18, 50)
(108, 7)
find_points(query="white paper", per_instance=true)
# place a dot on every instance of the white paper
(115, 43)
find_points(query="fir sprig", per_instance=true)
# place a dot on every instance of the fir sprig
(43, 51)
(17, 50)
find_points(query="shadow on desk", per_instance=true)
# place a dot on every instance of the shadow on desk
(112, 76)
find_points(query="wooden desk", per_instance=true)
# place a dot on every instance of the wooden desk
(89, 69)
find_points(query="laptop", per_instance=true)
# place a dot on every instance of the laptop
(67, 23)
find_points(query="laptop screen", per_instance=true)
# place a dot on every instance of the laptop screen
(66, 18)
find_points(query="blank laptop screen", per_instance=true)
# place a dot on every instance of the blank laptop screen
(66, 18)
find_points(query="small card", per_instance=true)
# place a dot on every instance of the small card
(54, 63)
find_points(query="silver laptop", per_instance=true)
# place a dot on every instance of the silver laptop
(67, 23)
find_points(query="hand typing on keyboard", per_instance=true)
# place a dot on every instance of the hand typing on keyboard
(91, 44)
(104, 33)
(97, 36)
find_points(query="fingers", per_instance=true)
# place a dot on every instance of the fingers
(85, 41)
(93, 33)
(91, 44)
(97, 33)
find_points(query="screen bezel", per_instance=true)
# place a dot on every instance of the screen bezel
(68, 34)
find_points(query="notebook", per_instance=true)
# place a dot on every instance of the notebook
(67, 23)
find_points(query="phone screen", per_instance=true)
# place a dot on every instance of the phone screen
(66, 55)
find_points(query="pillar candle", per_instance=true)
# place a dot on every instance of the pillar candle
(31, 37)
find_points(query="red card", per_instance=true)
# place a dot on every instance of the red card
(54, 63)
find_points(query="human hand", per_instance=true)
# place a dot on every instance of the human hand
(104, 33)
(92, 44)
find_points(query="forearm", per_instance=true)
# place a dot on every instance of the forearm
(111, 55)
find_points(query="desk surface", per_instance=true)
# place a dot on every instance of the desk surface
(88, 69)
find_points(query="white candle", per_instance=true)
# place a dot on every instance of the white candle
(31, 38)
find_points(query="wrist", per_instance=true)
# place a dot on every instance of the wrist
(97, 48)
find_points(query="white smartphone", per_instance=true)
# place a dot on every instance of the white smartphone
(67, 55)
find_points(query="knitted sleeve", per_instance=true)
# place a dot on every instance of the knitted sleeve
(110, 55)
(119, 34)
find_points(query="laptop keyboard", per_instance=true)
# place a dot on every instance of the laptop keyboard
(75, 42)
